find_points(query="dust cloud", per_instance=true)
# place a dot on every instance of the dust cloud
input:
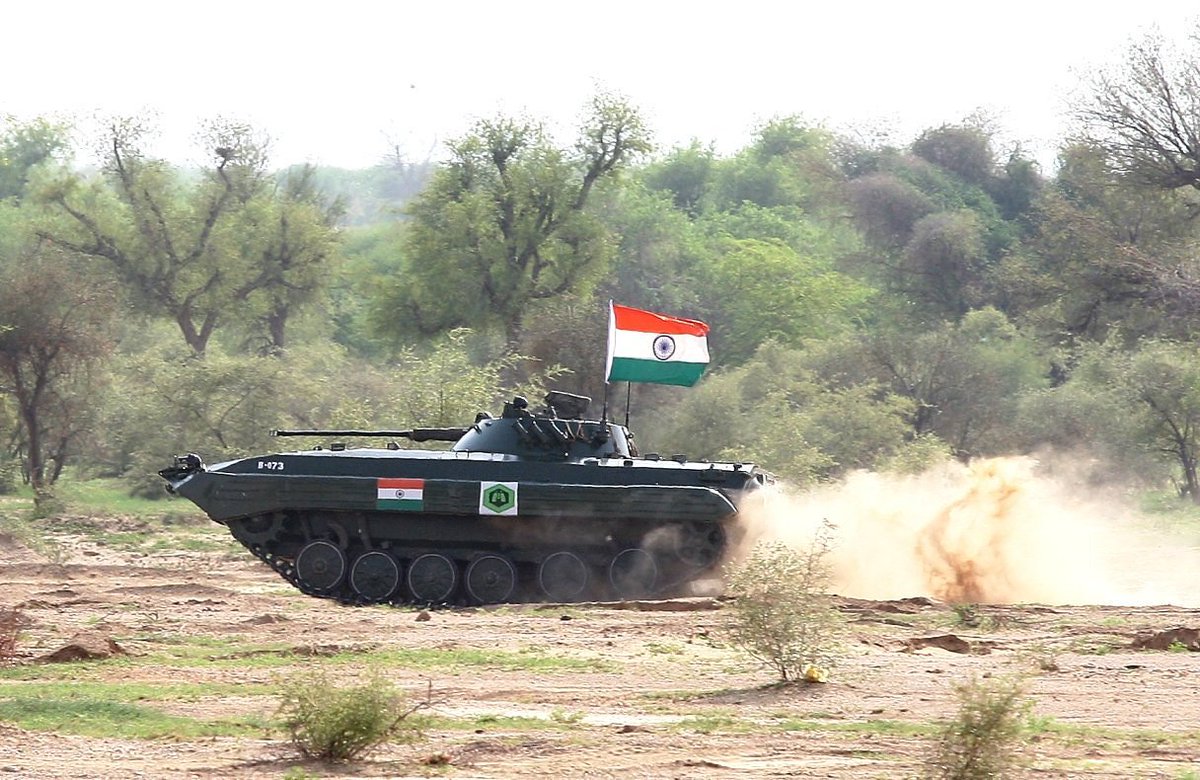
(997, 531)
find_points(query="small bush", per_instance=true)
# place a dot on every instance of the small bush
(12, 622)
(982, 741)
(47, 504)
(341, 723)
(782, 613)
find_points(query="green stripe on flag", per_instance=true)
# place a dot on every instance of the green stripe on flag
(657, 371)
(406, 504)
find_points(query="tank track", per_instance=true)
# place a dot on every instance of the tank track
(526, 588)
(287, 569)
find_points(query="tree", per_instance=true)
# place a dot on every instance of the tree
(964, 150)
(192, 250)
(1088, 417)
(938, 236)
(1113, 254)
(1017, 187)
(778, 411)
(293, 234)
(687, 174)
(55, 331)
(964, 379)
(1133, 410)
(944, 263)
(770, 292)
(24, 146)
(1146, 116)
(789, 164)
(887, 208)
(506, 222)
(658, 251)
(1164, 378)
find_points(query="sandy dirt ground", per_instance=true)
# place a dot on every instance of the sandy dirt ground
(635, 690)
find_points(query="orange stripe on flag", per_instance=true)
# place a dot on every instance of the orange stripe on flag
(627, 318)
(407, 484)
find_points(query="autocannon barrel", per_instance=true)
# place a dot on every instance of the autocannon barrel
(416, 434)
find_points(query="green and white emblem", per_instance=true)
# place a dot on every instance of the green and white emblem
(497, 498)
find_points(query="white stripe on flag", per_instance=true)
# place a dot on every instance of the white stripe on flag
(640, 345)
(400, 494)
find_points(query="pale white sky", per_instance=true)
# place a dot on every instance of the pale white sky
(336, 83)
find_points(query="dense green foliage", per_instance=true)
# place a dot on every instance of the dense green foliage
(872, 305)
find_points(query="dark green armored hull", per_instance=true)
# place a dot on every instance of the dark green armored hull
(524, 507)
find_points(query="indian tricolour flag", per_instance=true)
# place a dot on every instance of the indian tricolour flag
(400, 494)
(648, 347)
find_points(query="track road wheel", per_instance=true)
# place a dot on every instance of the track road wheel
(491, 579)
(375, 575)
(633, 574)
(563, 576)
(432, 578)
(320, 566)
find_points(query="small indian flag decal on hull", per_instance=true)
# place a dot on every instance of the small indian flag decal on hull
(403, 494)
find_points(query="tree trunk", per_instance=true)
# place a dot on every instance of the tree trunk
(276, 330)
(1191, 482)
(196, 338)
(36, 465)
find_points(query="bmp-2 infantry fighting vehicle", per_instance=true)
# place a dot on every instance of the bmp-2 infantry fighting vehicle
(527, 506)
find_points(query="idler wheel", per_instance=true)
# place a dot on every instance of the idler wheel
(491, 579)
(432, 578)
(563, 576)
(321, 565)
(700, 544)
(633, 574)
(375, 575)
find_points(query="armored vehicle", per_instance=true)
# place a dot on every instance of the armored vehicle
(543, 505)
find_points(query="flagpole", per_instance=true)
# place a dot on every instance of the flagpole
(628, 395)
(608, 360)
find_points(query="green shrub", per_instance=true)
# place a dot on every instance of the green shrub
(782, 613)
(982, 741)
(341, 723)
(47, 503)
